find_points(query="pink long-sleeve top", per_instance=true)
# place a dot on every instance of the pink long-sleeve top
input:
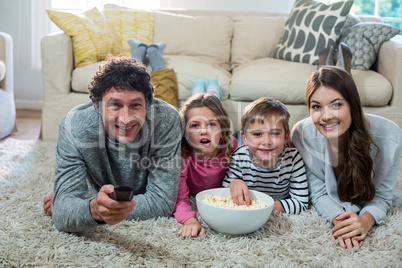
(198, 175)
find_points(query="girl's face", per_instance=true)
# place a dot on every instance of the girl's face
(330, 112)
(203, 132)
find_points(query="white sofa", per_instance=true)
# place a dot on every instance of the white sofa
(236, 49)
(7, 105)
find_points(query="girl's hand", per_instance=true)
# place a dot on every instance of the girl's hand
(350, 228)
(191, 227)
(239, 192)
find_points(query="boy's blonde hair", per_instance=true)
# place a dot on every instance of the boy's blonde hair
(213, 103)
(263, 109)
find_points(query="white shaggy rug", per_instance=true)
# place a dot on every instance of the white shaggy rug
(28, 237)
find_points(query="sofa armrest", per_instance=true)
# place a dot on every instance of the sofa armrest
(389, 64)
(57, 65)
(6, 55)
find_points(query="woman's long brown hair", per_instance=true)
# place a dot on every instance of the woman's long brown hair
(214, 104)
(355, 182)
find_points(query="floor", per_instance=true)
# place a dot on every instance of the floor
(28, 125)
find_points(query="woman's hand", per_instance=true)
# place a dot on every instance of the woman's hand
(239, 192)
(191, 227)
(350, 229)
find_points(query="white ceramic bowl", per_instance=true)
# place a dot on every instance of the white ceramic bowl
(234, 221)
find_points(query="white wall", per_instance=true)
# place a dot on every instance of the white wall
(15, 19)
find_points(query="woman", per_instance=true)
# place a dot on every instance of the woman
(352, 159)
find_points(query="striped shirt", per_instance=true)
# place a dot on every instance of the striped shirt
(286, 182)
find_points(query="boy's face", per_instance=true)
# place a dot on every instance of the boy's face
(123, 114)
(266, 141)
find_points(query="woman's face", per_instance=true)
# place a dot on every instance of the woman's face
(330, 112)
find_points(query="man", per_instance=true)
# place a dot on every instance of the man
(123, 137)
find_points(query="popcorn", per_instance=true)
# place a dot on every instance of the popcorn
(227, 202)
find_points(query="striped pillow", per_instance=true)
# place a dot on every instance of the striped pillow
(108, 35)
(90, 43)
(131, 24)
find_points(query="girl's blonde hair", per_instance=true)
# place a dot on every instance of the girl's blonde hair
(214, 104)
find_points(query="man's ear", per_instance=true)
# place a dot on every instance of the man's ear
(96, 106)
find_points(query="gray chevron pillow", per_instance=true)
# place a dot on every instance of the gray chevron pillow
(311, 27)
(365, 39)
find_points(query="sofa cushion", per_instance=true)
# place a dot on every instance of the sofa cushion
(205, 37)
(365, 39)
(88, 43)
(287, 82)
(311, 27)
(374, 89)
(255, 37)
(187, 68)
(131, 24)
(283, 80)
(81, 76)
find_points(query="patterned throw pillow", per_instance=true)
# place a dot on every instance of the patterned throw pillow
(131, 24)
(88, 38)
(364, 40)
(109, 36)
(311, 27)
(350, 21)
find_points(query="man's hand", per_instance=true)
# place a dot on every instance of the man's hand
(239, 192)
(104, 208)
(191, 227)
(48, 205)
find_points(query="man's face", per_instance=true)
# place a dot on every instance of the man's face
(123, 114)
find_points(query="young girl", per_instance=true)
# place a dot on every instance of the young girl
(206, 150)
(352, 159)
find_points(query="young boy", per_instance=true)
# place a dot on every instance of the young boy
(264, 163)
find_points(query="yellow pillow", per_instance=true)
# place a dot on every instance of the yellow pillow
(108, 34)
(131, 24)
(88, 41)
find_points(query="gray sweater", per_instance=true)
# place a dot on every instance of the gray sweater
(86, 160)
(321, 178)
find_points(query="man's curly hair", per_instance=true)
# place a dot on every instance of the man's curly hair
(122, 73)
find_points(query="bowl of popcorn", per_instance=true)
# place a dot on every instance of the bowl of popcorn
(217, 209)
